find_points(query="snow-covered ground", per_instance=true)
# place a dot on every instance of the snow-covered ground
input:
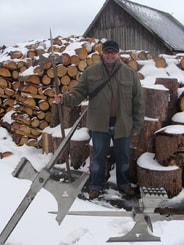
(38, 224)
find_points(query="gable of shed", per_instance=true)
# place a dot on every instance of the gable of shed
(136, 26)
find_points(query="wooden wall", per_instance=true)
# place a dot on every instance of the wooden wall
(115, 23)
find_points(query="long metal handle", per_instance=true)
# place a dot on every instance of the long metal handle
(59, 108)
(39, 181)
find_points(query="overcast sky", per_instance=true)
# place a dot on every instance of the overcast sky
(25, 20)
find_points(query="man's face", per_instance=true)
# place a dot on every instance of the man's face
(110, 56)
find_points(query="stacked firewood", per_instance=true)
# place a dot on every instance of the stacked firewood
(27, 80)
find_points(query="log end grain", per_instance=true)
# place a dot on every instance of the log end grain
(151, 174)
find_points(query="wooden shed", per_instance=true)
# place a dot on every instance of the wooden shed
(138, 27)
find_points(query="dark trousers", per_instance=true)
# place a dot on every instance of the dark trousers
(101, 144)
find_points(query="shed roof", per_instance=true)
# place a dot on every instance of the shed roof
(159, 23)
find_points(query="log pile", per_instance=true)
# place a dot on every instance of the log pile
(27, 92)
(27, 77)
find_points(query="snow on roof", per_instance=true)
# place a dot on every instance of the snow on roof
(161, 23)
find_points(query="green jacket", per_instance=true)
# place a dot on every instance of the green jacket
(127, 92)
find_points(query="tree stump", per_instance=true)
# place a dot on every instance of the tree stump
(79, 148)
(151, 174)
(173, 85)
(143, 142)
(156, 102)
(50, 143)
(79, 152)
(169, 142)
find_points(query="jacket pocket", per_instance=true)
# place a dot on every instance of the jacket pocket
(93, 82)
(126, 89)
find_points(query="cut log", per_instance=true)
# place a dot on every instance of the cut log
(31, 54)
(46, 80)
(16, 54)
(75, 59)
(82, 53)
(70, 115)
(10, 65)
(65, 80)
(35, 96)
(4, 72)
(3, 83)
(133, 64)
(38, 71)
(28, 110)
(61, 70)
(72, 84)
(16, 85)
(64, 89)
(143, 142)
(54, 116)
(180, 102)
(156, 102)
(66, 59)
(27, 101)
(8, 102)
(9, 92)
(49, 92)
(158, 176)
(21, 118)
(31, 79)
(50, 73)
(15, 74)
(181, 64)
(47, 143)
(98, 47)
(28, 89)
(35, 122)
(43, 105)
(79, 152)
(72, 71)
(173, 85)
(172, 142)
(82, 65)
(20, 139)
(43, 124)
(160, 62)
(95, 57)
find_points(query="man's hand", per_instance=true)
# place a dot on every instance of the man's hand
(58, 99)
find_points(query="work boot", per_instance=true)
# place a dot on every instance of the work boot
(128, 190)
(93, 194)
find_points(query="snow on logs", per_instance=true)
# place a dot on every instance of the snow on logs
(27, 80)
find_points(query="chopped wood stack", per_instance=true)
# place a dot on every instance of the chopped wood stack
(27, 80)
(27, 83)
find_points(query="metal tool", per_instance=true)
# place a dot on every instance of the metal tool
(59, 106)
(64, 193)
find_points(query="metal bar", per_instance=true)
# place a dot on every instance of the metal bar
(40, 180)
(59, 106)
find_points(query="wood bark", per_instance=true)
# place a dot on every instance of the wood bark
(79, 152)
(173, 85)
(160, 62)
(170, 180)
(172, 152)
(143, 142)
(156, 103)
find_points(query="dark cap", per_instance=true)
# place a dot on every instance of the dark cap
(110, 45)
